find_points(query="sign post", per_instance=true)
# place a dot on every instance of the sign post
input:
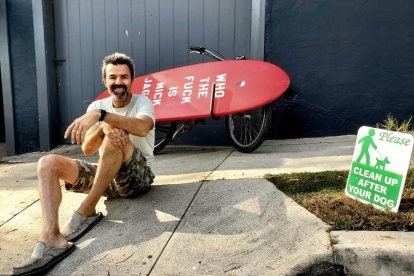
(379, 167)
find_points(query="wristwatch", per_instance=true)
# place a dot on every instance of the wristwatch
(103, 114)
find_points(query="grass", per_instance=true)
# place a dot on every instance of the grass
(323, 195)
(391, 123)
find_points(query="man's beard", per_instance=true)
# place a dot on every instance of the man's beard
(117, 93)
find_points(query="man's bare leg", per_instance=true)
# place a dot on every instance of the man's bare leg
(50, 169)
(109, 164)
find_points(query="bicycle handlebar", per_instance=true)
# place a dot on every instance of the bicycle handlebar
(210, 53)
(198, 49)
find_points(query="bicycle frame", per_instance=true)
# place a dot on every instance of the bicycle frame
(246, 130)
(185, 126)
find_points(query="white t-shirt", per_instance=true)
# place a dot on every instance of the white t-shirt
(139, 105)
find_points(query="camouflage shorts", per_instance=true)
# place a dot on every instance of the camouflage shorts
(134, 177)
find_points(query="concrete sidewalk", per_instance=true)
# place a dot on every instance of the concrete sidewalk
(210, 212)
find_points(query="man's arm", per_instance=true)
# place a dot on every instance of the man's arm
(81, 125)
(93, 140)
(138, 126)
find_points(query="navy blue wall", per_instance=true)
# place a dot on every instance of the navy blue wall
(23, 75)
(2, 128)
(350, 63)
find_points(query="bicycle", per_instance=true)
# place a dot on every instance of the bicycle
(246, 130)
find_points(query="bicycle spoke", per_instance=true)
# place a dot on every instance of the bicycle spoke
(246, 128)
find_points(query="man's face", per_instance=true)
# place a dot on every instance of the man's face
(118, 81)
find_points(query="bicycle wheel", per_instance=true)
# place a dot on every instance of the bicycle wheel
(247, 130)
(163, 134)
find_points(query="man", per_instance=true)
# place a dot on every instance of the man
(122, 128)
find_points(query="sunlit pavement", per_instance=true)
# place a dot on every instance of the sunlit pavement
(209, 212)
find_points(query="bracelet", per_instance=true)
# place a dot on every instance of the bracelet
(103, 114)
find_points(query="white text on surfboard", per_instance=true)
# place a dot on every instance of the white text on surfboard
(201, 89)
(188, 90)
(220, 85)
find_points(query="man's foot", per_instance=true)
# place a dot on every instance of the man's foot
(79, 225)
(43, 258)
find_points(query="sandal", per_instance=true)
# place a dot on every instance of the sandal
(79, 225)
(43, 258)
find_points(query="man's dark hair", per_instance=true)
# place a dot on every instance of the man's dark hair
(117, 59)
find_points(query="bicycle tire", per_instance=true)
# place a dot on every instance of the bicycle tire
(164, 132)
(247, 129)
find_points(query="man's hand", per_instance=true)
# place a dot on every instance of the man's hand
(79, 127)
(118, 137)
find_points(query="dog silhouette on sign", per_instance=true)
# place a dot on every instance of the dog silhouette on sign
(381, 163)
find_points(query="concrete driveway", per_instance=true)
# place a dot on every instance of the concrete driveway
(210, 212)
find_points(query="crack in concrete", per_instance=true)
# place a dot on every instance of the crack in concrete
(21, 211)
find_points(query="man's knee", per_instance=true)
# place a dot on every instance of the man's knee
(56, 165)
(109, 149)
(48, 163)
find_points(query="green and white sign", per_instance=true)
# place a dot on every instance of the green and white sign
(379, 167)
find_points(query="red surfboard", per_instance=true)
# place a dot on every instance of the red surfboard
(187, 92)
